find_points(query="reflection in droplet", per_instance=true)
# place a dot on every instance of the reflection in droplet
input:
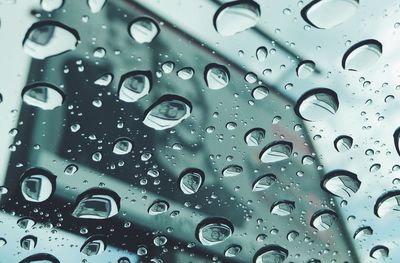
(343, 143)
(191, 180)
(158, 207)
(167, 112)
(43, 95)
(264, 182)
(40, 258)
(261, 54)
(232, 170)
(282, 208)
(96, 5)
(143, 29)
(317, 104)
(362, 55)
(271, 254)
(185, 73)
(134, 85)
(122, 146)
(341, 183)
(232, 251)
(276, 151)
(93, 246)
(323, 219)
(28, 242)
(236, 16)
(212, 231)
(51, 5)
(362, 232)
(305, 69)
(260, 92)
(387, 203)
(37, 185)
(254, 136)
(49, 38)
(97, 203)
(379, 252)
(216, 76)
(104, 80)
(326, 14)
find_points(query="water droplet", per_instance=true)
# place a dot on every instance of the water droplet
(104, 80)
(379, 252)
(317, 104)
(185, 73)
(236, 16)
(97, 156)
(264, 182)
(141, 251)
(71, 169)
(26, 223)
(232, 170)
(134, 85)
(387, 203)
(260, 92)
(326, 14)
(323, 219)
(168, 67)
(261, 54)
(374, 168)
(159, 241)
(396, 137)
(37, 185)
(292, 236)
(51, 5)
(271, 254)
(93, 246)
(254, 136)
(158, 207)
(191, 180)
(167, 112)
(143, 29)
(216, 76)
(122, 146)
(212, 231)
(232, 251)
(362, 232)
(124, 260)
(96, 5)
(3, 242)
(305, 69)
(251, 77)
(28, 242)
(341, 183)
(99, 52)
(40, 258)
(276, 151)
(343, 143)
(97, 203)
(362, 55)
(3, 190)
(43, 95)
(282, 208)
(49, 38)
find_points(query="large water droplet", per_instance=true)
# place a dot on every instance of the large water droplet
(262, 53)
(362, 232)
(51, 5)
(167, 112)
(232, 251)
(96, 5)
(124, 260)
(326, 14)
(185, 73)
(282, 208)
(28, 242)
(216, 76)
(254, 136)
(93, 246)
(264, 182)
(379, 252)
(343, 143)
(26, 223)
(97, 203)
(158, 207)
(3, 242)
(143, 29)
(362, 55)
(387, 203)
(271, 254)
(276, 151)
(260, 92)
(396, 137)
(305, 69)
(317, 104)
(71, 169)
(212, 231)
(191, 180)
(341, 183)
(323, 219)
(37, 185)
(122, 146)
(43, 95)
(40, 258)
(134, 85)
(236, 16)
(49, 38)
(232, 170)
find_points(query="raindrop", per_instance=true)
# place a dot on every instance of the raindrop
(362, 232)
(326, 14)
(232, 170)
(40, 258)
(37, 185)
(143, 29)
(317, 104)
(26, 223)
(167, 112)
(134, 85)
(282, 208)
(104, 80)
(236, 16)
(122, 146)
(387, 203)
(215, 230)
(341, 183)
(379, 252)
(51, 5)
(96, 5)
(232, 251)
(93, 246)
(191, 180)
(264, 182)
(97, 203)
(71, 169)
(3, 242)
(261, 54)
(323, 219)
(28, 242)
(168, 67)
(343, 143)
(3, 190)
(158, 207)
(362, 55)
(271, 254)
(254, 136)
(159, 241)
(185, 73)
(292, 236)
(141, 251)
(250, 77)
(99, 52)
(124, 260)
(216, 76)
(276, 151)
(375, 167)
(260, 92)
(43, 95)
(396, 137)
(97, 156)
(305, 69)
(49, 38)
